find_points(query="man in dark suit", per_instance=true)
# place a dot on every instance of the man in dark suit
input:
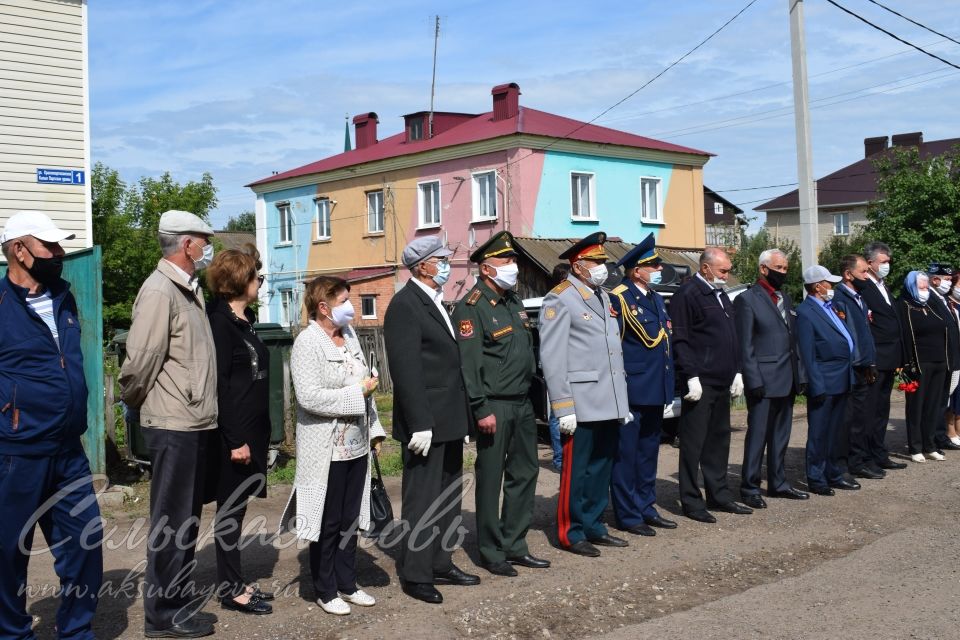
(826, 348)
(940, 280)
(852, 444)
(885, 327)
(707, 356)
(430, 418)
(772, 377)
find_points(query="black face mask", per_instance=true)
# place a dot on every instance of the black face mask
(46, 271)
(775, 279)
(859, 284)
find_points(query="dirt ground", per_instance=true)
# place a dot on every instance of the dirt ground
(876, 563)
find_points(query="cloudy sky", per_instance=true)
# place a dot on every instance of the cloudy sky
(242, 89)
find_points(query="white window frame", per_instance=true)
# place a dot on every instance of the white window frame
(423, 223)
(476, 178)
(285, 223)
(591, 197)
(381, 214)
(286, 306)
(838, 219)
(319, 205)
(717, 208)
(373, 300)
(416, 127)
(643, 212)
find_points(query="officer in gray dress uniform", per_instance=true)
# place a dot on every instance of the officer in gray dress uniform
(583, 366)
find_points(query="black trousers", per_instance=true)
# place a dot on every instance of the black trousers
(178, 465)
(705, 446)
(880, 400)
(431, 510)
(227, 530)
(856, 451)
(333, 558)
(769, 422)
(925, 408)
(940, 432)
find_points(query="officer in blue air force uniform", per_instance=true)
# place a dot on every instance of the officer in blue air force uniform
(648, 363)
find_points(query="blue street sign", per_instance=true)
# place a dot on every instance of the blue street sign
(60, 176)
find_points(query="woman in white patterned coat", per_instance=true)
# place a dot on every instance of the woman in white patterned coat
(337, 424)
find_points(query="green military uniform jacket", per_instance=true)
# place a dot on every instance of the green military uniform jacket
(496, 347)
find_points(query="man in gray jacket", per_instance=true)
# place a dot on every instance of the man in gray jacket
(583, 365)
(169, 376)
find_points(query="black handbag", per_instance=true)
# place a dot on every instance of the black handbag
(381, 511)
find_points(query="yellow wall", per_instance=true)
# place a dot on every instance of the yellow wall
(683, 210)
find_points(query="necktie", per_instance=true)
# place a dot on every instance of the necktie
(781, 307)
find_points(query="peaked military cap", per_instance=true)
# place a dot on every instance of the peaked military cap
(500, 245)
(939, 269)
(589, 248)
(642, 254)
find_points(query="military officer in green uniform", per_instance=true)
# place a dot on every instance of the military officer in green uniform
(496, 348)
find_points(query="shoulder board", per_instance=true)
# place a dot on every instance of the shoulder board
(563, 286)
(474, 297)
(620, 288)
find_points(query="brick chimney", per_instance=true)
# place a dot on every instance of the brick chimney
(365, 127)
(506, 101)
(914, 139)
(874, 145)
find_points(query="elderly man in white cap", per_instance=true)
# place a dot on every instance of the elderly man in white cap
(44, 473)
(430, 418)
(170, 377)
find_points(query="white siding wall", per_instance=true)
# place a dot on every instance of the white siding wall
(44, 107)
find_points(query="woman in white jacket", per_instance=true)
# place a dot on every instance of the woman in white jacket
(336, 425)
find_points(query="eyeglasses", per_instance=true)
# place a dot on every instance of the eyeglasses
(438, 261)
(260, 280)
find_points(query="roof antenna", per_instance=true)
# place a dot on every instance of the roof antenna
(433, 81)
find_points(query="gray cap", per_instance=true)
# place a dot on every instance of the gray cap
(177, 223)
(422, 248)
(816, 273)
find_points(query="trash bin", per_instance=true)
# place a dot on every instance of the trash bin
(278, 341)
(131, 418)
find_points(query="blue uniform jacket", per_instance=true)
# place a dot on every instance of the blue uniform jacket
(650, 375)
(824, 350)
(855, 319)
(43, 395)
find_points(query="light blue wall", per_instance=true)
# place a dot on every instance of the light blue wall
(280, 258)
(617, 184)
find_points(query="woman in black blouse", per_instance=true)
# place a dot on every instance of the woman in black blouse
(925, 351)
(239, 463)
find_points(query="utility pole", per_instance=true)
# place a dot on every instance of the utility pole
(809, 213)
(433, 81)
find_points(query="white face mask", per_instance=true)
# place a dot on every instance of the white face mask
(883, 270)
(955, 294)
(205, 259)
(828, 295)
(342, 315)
(506, 275)
(598, 274)
(716, 281)
(923, 295)
(944, 287)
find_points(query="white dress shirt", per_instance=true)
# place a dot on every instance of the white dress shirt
(437, 296)
(190, 280)
(879, 285)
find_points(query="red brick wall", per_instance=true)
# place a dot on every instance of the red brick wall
(382, 288)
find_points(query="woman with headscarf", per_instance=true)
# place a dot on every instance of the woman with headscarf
(925, 354)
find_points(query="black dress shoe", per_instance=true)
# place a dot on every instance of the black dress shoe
(790, 494)
(456, 577)
(701, 516)
(266, 596)
(846, 485)
(660, 522)
(501, 569)
(607, 540)
(732, 507)
(869, 474)
(529, 561)
(584, 548)
(754, 501)
(948, 445)
(254, 606)
(186, 629)
(641, 529)
(423, 592)
(890, 464)
(822, 491)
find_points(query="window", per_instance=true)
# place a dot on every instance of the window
(582, 198)
(286, 223)
(485, 195)
(416, 129)
(650, 200)
(368, 307)
(286, 306)
(718, 208)
(323, 219)
(375, 212)
(428, 199)
(841, 224)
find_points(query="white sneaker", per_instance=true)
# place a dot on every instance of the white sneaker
(955, 440)
(336, 606)
(360, 598)
(934, 455)
(917, 457)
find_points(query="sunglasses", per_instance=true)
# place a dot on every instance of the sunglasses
(260, 280)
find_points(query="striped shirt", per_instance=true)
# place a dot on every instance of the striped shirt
(42, 305)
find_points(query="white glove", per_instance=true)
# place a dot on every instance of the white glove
(466, 439)
(736, 389)
(694, 390)
(420, 442)
(568, 424)
(954, 379)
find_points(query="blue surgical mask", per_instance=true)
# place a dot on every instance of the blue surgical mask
(656, 277)
(205, 258)
(443, 273)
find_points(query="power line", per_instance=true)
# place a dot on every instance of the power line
(892, 35)
(908, 19)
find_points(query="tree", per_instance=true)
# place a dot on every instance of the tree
(838, 247)
(245, 221)
(746, 261)
(125, 222)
